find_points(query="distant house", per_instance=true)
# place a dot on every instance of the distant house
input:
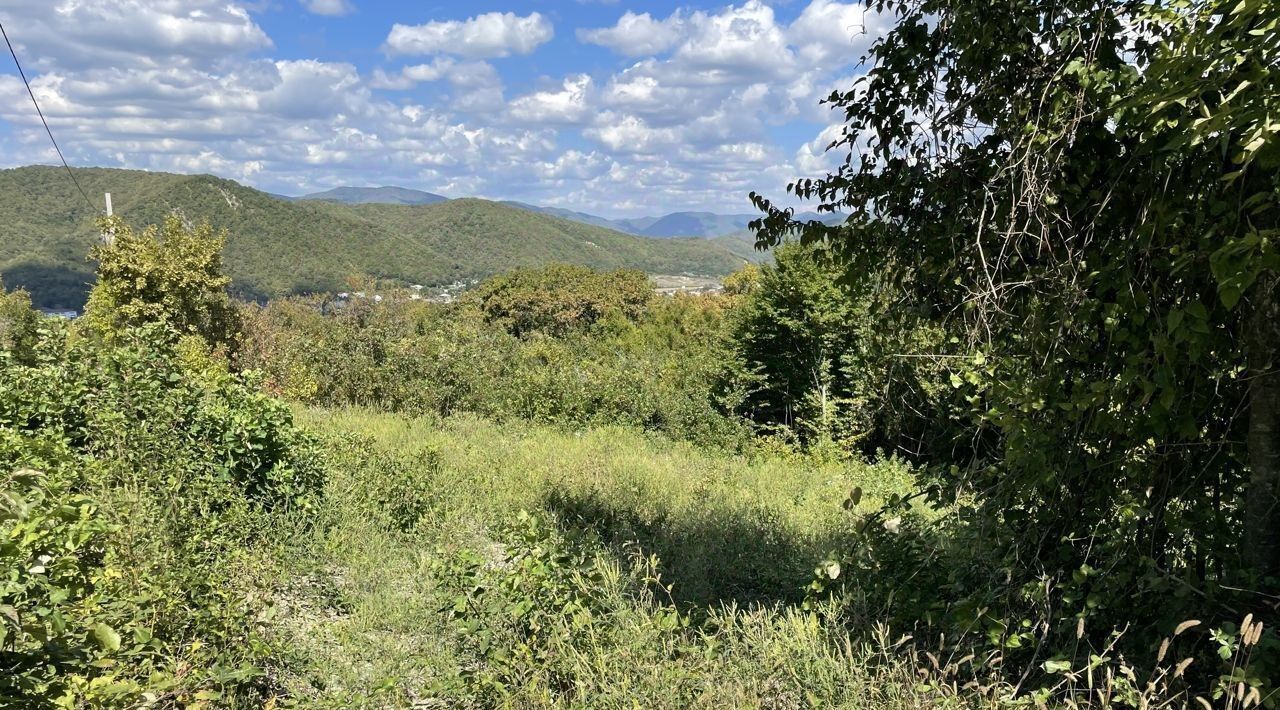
(60, 313)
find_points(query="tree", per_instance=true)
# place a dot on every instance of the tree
(791, 333)
(18, 322)
(817, 364)
(1088, 190)
(561, 298)
(168, 274)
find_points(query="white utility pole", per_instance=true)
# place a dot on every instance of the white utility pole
(108, 235)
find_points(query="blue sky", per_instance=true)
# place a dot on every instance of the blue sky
(613, 107)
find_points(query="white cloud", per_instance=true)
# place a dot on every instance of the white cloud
(739, 42)
(331, 8)
(629, 134)
(489, 35)
(829, 29)
(812, 159)
(115, 33)
(410, 76)
(567, 106)
(690, 121)
(637, 35)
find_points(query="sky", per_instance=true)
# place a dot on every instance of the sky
(614, 107)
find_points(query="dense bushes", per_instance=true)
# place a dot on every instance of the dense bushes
(817, 365)
(170, 274)
(140, 478)
(561, 298)
(580, 353)
(18, 322)
(1094, 211)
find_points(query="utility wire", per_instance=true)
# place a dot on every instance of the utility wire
(32, 94)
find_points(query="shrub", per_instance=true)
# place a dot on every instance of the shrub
(659, 368)
(164, 472)
(18, 322)
(558, 299)
(167, 274)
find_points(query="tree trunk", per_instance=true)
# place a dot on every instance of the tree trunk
(1262, 501)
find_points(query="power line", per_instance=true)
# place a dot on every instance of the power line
(32, 94)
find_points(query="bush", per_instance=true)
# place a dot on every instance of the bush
(163, 473)
(18, 323)
(168, 274)
(816, 364)
(659, 368)
(561, 298)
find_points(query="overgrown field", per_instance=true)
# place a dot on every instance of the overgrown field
(476, 563)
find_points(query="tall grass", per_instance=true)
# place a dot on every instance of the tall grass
(685, 564)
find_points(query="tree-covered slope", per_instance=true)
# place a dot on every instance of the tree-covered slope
(277, 247)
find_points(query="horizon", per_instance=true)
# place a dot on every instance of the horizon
(747, 212)
(617, 109)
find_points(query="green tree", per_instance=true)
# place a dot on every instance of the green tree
(1088, 190)
(18, 322)
(794, 328)
(817, 363)
(168, 274)
(561, 298)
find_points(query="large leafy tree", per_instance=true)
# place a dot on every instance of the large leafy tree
(813, 357)
(558, 299)
(164, 274)
(1088, 190)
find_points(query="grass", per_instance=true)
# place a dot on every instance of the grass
(735, 539)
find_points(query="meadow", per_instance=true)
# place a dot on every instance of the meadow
(478, 564)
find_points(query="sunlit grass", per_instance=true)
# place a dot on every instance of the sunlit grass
(737, 537)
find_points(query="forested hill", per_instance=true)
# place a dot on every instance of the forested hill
(277, 247)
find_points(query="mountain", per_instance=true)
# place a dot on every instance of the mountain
(582, 217)
(695, 224)
(676, 224)
(276, 247)
(377, 195)
(709, 225)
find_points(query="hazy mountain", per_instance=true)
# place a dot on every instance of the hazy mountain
(675, 224)
(562, 213)
(375, 195)
(277, 247)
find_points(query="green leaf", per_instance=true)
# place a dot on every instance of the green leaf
(1230, 295)
(107, 637)
(1057, 666)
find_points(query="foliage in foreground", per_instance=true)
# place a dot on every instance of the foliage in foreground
(171, 274)
(1086, 191)
(665, 591)
(140, 480)
(456, 597)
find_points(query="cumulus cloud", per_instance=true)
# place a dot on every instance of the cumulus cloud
(637, 35)
(332, 8)
(569, 105)
(492, 34)
(84, 33)
(827, 30)
(706, 105)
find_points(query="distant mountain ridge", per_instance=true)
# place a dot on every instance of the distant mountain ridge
(376, 195)
(676, 224)
(277, 247)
